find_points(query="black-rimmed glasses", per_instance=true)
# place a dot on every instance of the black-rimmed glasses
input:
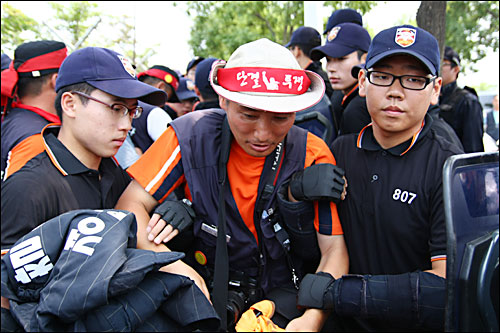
(412, 82)
(117, 107)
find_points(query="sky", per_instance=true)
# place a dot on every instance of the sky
(167, 26)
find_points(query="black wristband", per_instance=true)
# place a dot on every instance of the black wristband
(296, 185)
(313, 290)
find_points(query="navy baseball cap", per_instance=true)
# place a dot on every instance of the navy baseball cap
(343, 16)
(405, 39)
(343, 39)
(108, 71)
(5, 61)
(201, 78)
(305, 36)
(186, 89)
(194, 62)
(451, 55)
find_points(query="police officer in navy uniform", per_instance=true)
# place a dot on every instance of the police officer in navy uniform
(208, 99)
(393, 215)
(303, 40)
(97, 93)
(346, 47)
(460, 107)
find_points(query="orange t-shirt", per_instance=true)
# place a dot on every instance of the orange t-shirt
(155, 168)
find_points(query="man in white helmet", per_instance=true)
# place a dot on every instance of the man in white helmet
(260, 191)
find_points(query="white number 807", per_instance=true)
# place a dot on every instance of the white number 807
(404, 196)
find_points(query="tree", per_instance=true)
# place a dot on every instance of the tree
(74, 19)
(13, 24)
(70, 23)
(426, 19)
(472, 29)
(221, 26)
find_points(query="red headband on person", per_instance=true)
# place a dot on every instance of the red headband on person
(264, 80)
(162, 75)
(51, 60)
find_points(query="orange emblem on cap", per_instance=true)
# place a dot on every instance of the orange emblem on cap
(333, 33)
(127, 64)
(405, 37)
(168, 78)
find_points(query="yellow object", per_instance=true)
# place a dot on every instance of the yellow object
(200, 258)
(258, 318)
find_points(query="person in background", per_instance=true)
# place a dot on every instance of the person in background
(208, 98)
(303, 40)
(29, 83)
(191, 67)
(187, 95)
(460, 107)
(346, 48)
(345, 15)
(5, 65)
(154, 119)
(492, 120)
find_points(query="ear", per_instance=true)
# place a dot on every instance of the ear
(363, 58)
(222, 102)
(69, 104)
(197, 92)
(436, 89)
(52, 81)
(362, 83)
(160, 85)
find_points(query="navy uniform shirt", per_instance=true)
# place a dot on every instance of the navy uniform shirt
(467, 118)
(393, 215)
(52, 183)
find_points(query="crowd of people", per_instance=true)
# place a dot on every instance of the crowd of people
(277, 225)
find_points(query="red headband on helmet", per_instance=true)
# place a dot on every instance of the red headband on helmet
(264, 80)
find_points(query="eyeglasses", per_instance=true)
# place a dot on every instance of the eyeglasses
(117, 107)
(412, 82)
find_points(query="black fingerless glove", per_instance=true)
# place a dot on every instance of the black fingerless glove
(179, 214)
(316, 291)
(318, 182)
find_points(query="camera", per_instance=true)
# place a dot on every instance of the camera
(242, 293)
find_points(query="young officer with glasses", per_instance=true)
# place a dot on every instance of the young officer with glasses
(393, 218)
(97, 96)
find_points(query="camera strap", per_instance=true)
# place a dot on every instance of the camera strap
(265, 214)
(221, 269)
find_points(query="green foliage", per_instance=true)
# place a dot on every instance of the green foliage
(13, 23)
(362, 6)
(75, 18)
(221, 26)
(69, 23)
(472, 29)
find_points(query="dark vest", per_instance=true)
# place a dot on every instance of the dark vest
(199, 135)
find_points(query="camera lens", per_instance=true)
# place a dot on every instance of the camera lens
(235, 306)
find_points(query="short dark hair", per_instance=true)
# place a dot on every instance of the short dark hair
(81, 87)
(151, 80)
(32, 86)
(306, 48)
(360, 53)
